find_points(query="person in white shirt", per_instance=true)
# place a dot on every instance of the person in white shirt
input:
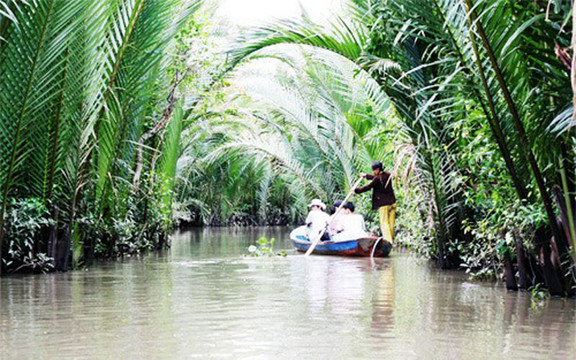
(334, 218)
(317, 220)
(350, 226)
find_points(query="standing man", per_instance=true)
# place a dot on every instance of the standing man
(383, 198)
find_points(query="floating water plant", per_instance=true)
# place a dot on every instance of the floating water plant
(265, 247)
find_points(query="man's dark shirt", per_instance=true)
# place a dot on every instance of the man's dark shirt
(382, 191)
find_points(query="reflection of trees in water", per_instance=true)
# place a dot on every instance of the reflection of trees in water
(383, 302)
(108, 309)
(334, 285)
(408, 309)
(213, 242)
(397, 309)
(422, 311)
(550, 326)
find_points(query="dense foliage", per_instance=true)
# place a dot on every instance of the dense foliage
(90, 124)
(277, 140)
(119, 117)
(484, 152)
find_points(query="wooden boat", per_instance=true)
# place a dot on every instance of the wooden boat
(357, 247)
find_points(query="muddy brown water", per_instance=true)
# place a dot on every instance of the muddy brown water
(204, 300)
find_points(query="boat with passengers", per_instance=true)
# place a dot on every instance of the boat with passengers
(365, 246)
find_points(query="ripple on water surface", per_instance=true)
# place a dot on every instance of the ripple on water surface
(204, 299)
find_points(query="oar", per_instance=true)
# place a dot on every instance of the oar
(313, 246)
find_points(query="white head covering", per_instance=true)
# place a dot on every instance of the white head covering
(318, 202)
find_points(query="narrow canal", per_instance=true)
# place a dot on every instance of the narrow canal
(203, 299)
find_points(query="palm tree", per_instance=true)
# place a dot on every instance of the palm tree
(303, 124)
(79, 87)
(453, 56)
(348, 39)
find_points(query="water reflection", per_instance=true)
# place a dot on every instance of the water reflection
(204, 299)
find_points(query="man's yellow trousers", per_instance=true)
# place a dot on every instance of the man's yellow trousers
(387, 219)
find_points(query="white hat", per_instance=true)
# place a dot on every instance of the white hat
(318, 202)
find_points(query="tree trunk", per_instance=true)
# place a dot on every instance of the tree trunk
(88, 246)
(161, 241)
(550, 276)
(151, 133)
(523, 266)
(509, 274)
(53, 236)
(565, 260)
(519, 126)
(62, 250)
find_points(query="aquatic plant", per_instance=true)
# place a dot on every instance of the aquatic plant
(265, 248)
(538, 295)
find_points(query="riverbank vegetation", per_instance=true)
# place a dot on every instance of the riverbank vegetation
(121, 119)
(90, 119)
(482, 98)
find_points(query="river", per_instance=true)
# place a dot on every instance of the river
(203, 299)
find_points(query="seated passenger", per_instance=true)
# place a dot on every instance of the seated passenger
(350, 226)
(333, 223)
(317, 220)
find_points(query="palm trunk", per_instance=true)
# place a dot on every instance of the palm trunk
(441, 228)
(568, 177)
(509, 275)
(490, 113)
(523, 266)
(564, 254)
(53, 237)
(494, 122)
(524, 142)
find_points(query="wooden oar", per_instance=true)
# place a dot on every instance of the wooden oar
(313, 246)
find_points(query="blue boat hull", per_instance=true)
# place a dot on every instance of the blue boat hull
(357, 247)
